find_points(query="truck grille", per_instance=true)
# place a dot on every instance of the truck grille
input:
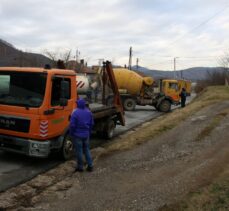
(14, 123)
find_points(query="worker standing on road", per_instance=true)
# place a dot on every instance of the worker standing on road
(183, 97)
(81, 124)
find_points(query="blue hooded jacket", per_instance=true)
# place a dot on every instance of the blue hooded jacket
(81, 121)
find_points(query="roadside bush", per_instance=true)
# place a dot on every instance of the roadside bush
(213, 79)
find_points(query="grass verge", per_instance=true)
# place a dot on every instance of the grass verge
(166, 122)
(214, 197)
(212, 125)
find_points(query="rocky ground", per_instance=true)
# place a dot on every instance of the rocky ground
(148, 177)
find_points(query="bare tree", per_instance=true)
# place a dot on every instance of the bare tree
(65, 56)
(224, 61)
(58, 56)
(53, 55)
(219, 77)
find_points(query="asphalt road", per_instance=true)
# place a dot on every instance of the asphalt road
(16, 169)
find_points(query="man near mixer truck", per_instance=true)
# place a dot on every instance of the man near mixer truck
(183, 95)
(81, 124)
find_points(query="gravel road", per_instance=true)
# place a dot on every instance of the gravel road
(153, 174)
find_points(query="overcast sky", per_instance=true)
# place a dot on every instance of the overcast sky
(158, 30)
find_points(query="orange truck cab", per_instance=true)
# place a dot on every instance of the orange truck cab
(35, 109)
(172, 88)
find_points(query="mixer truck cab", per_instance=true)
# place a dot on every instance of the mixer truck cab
(35, 108)
(173, 87)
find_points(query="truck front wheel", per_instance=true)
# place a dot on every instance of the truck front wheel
(67, 150)
(164, 106)
(129, 104)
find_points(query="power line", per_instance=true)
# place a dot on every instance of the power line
(182, 59)
(188, 57)
(197, 57)
(201, 24)
(191, 30)
(198, 26)
(164, 62)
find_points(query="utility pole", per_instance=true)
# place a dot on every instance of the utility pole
(137, 61)
(77, 55)
(174, 67)
(101, 62)
(130, 58)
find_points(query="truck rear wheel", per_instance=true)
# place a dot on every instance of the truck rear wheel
(67, 150)
(164, 106)
(109, 129)
(129, 104)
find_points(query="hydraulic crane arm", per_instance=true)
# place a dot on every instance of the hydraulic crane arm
(107, 68)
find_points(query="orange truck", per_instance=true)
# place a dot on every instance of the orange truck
(36, 106)
(173, 87)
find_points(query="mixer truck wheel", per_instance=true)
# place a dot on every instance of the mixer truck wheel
(67, 150)
(164, 106)
(157, 108)
(129, 104)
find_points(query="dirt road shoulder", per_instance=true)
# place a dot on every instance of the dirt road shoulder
(146, 176)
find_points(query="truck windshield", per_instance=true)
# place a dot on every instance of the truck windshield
(22, 88)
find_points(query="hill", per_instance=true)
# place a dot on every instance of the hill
(10, 56)
(193, 74)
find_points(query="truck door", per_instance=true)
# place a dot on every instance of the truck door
(173, 91)
(185, 84)
(59, 120)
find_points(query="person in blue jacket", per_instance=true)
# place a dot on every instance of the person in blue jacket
(81, 124)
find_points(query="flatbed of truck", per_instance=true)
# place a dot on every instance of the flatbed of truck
(100, 110)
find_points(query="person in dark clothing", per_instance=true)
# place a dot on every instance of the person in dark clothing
(183, 97)
(81, 124)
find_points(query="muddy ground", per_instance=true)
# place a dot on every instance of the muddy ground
(149, 176)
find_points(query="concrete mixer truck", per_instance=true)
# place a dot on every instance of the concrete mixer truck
(89, 86)
(135, 90)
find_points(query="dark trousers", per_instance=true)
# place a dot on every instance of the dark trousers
(183, 103)
(82, 147)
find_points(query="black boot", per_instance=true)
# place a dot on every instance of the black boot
(90, 168)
